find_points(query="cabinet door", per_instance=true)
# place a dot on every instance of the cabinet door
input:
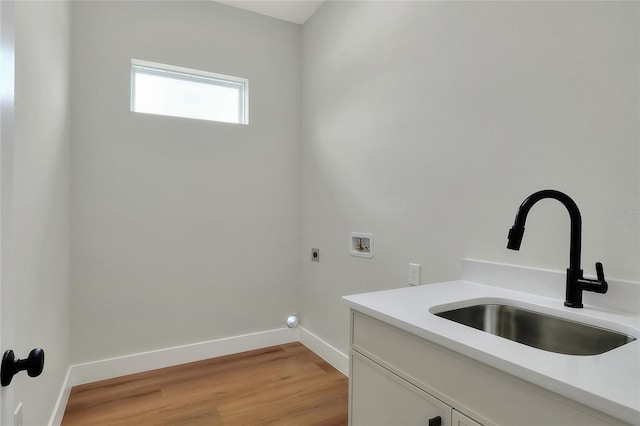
(380, 398)
(459, 419)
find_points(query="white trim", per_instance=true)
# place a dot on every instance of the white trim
(190, 74)
(153, 360)
(94, 371)
(184, 70)
(61, 403)
(324, 350)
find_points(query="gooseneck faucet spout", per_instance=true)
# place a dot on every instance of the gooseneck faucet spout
(576, 283)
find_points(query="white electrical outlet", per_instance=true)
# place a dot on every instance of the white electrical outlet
(414, 274)
(17, 415)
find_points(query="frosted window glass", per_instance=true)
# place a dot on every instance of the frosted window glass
(181, 94)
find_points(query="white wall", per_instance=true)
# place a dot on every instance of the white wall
(182, 230)
(425, 123)
(39, 310)
(428, 123)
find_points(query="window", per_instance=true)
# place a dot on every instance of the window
(182, 92)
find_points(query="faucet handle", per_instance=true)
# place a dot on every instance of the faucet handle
(598, 285)
(599, 271)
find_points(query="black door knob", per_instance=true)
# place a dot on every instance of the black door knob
(11, 366)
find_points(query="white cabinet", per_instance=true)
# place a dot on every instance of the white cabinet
(398, 378)
(381, 398)
(459, 419)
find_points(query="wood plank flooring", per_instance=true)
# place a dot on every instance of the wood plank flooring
(279, 385)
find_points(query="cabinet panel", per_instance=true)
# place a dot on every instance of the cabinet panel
(380, 398)
(459, 419)
(488, 394)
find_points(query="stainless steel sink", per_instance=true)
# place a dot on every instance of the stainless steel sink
(538, 330)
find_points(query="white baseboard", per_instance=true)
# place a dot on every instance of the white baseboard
(61, 403)
(153, 360)
(324, 350)
(80, 374)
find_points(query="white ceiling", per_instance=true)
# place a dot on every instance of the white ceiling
(296, 11)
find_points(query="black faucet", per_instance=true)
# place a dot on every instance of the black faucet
(576, 283)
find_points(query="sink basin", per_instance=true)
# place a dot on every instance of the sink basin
(538, 330)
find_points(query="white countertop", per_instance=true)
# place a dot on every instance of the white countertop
(609, 382)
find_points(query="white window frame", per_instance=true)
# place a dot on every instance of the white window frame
(176, 72)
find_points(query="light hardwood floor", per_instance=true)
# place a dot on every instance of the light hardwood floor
(280, 385)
